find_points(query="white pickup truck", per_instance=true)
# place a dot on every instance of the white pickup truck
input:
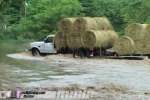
(48, 47)
(43, 47)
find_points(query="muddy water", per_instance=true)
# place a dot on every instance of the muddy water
(60, 71)
(109, 76)
(19, 70)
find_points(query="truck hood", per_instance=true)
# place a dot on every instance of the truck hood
(36, 43)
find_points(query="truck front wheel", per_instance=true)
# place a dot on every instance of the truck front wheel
(35, 52)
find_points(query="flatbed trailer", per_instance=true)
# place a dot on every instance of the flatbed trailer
(128, 57)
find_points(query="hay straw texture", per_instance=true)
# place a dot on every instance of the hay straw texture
(92, 38)
(98, 38)
(112, 37)
(81, 25)
(74, 41)
(60, 40)
(142, 47)
(66, 26)
(136, 31)
(103, 38)
(103, 23)
(124, 45)
(147, 31)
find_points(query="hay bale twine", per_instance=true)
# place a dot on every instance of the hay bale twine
(124, 45)
(74, 41)
(147, 36)
(66, 25)
(83, 24)
(142, 47)
(103, 23)
(60, 40)
(136, 31)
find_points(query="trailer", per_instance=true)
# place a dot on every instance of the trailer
(111, 54)
(128, 57)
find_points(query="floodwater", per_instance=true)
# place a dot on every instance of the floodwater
(113, 79)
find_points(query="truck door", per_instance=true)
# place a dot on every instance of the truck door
(49, 45)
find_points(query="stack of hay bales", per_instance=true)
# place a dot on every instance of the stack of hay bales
(95, 32)
(81, 25)
(65, 27)
(140, 35)
(86, 32)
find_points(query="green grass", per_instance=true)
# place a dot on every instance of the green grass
(13, 46)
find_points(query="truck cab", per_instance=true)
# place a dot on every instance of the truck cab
(43, 47)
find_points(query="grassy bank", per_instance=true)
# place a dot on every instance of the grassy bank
(13, 46)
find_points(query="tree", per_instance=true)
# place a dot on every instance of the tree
(144, 14)
(38, 18)
(42, 17)
(107, 8)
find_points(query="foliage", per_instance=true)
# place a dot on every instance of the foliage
(35, 19)
(41, 18)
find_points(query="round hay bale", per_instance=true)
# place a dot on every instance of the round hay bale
(136, 31)
(124, 45)
(98, 38)
(147, 36)
(66, 25)
(92, 38)
(74, 41)
(103, 23)
(112, 37)
(83, 24)
(105, 39)
(142, 47)
(60, 40)
(108, 38)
